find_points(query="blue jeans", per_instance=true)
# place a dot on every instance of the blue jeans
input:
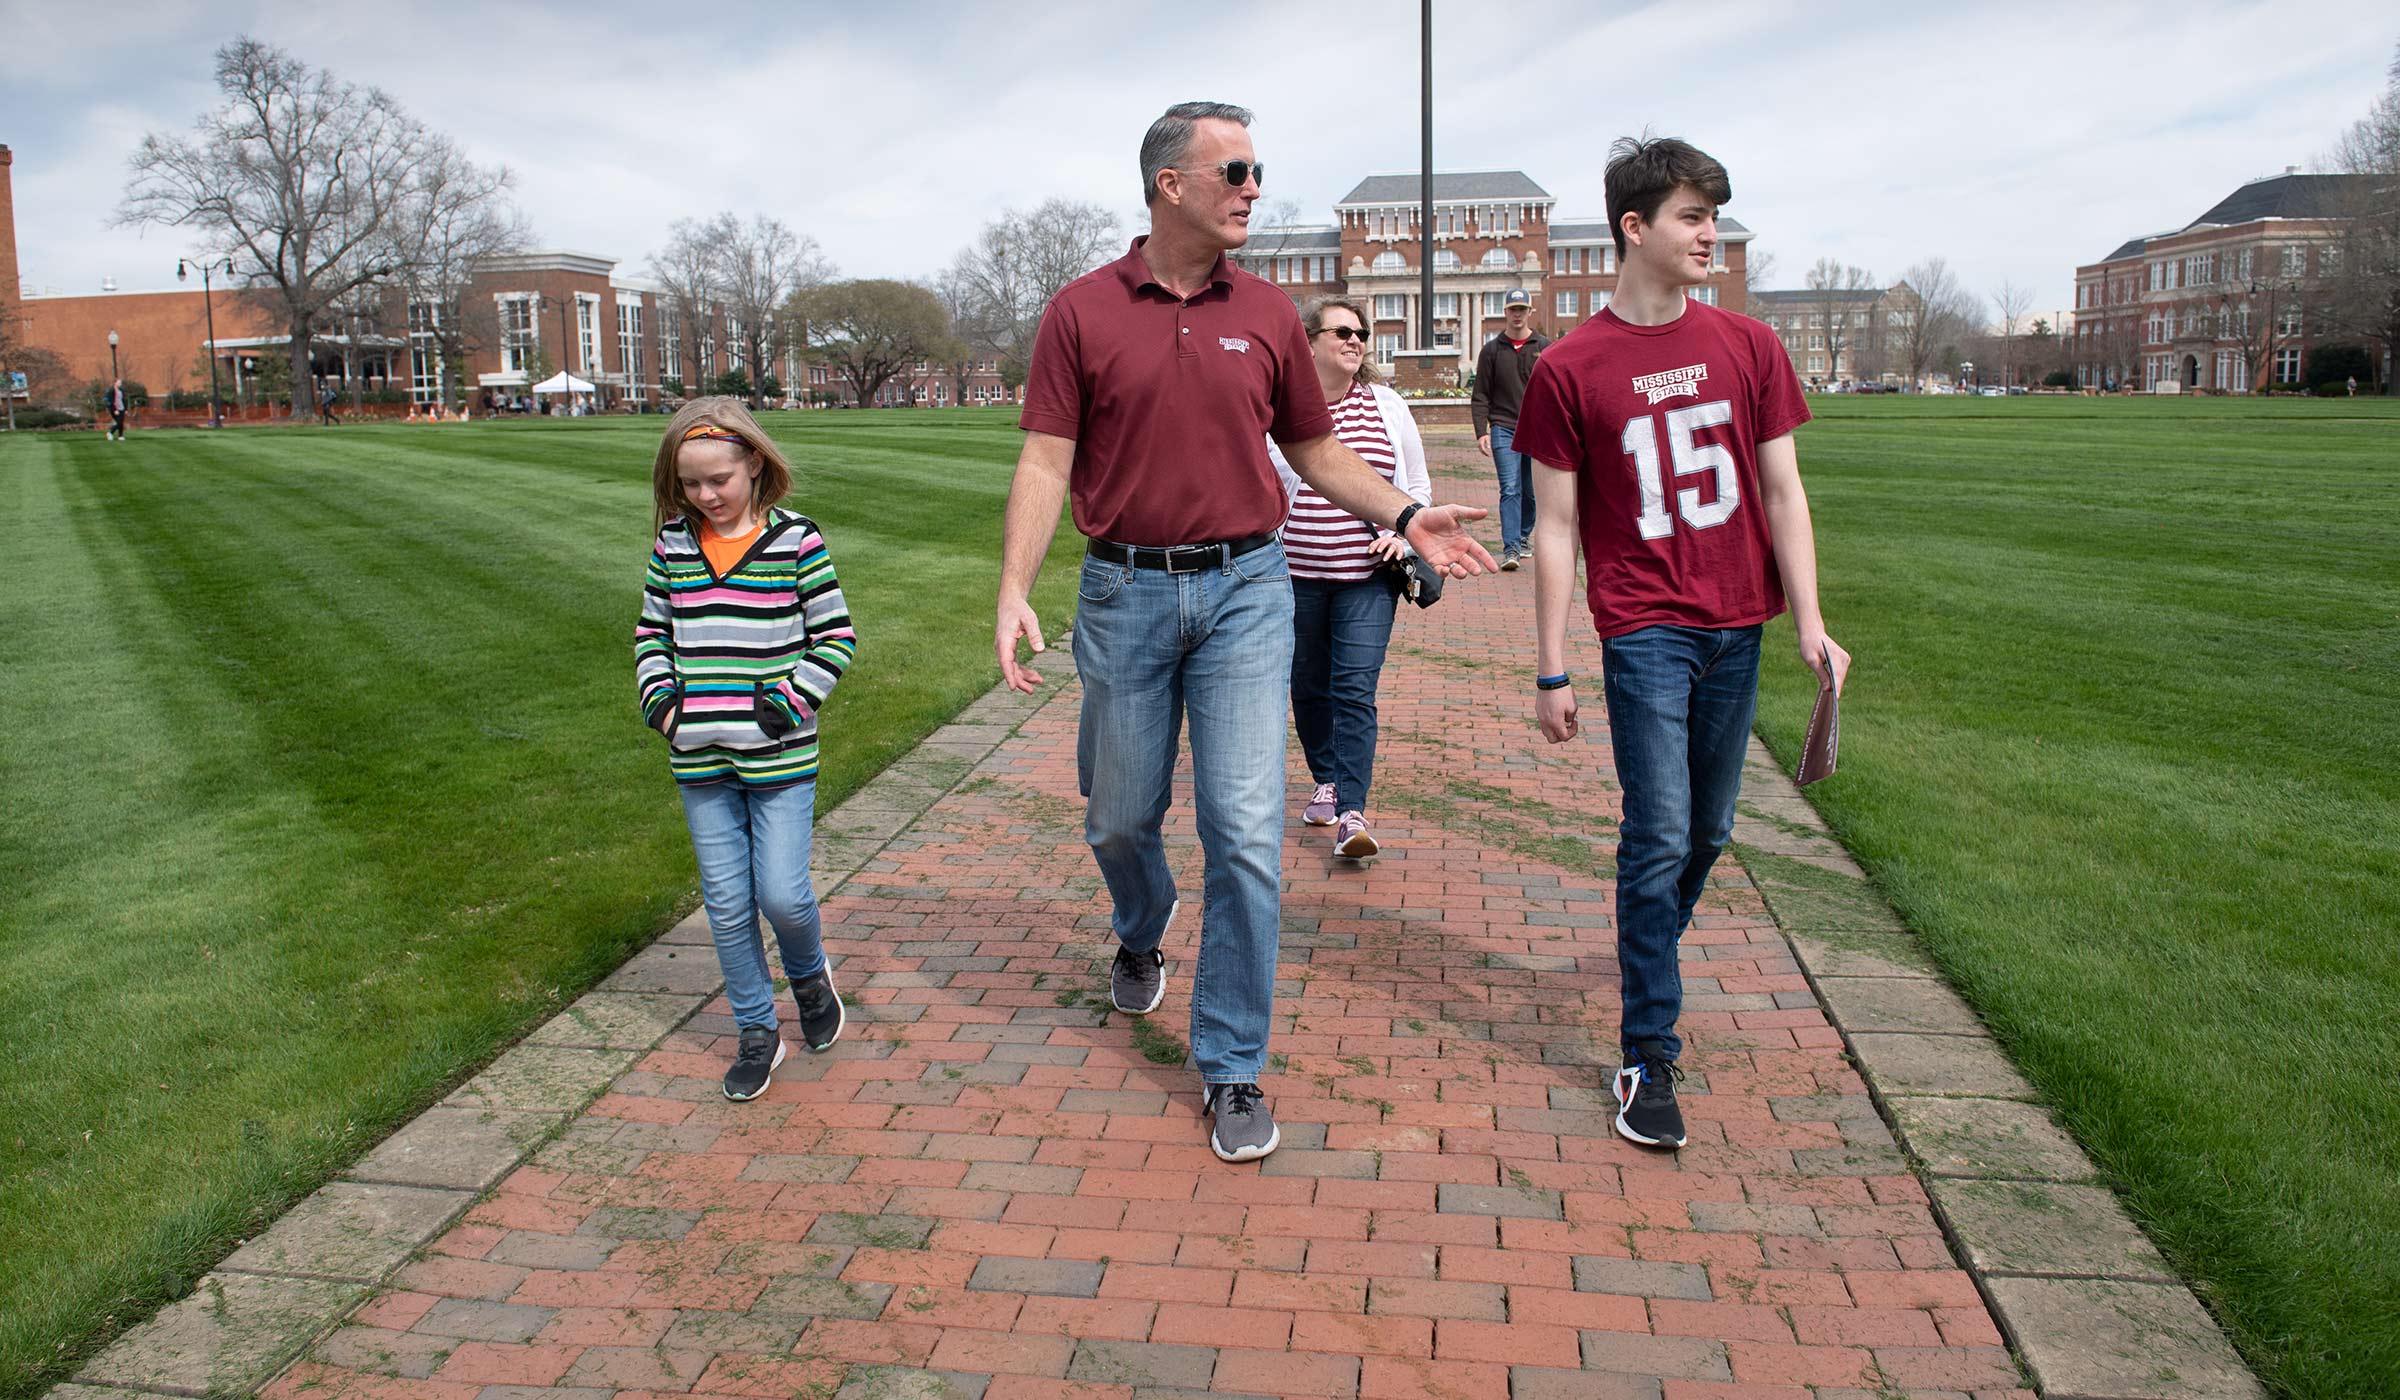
(753, 849)
(1680, 700)
(1217, 644)
(1516, 488)
(1340, 631)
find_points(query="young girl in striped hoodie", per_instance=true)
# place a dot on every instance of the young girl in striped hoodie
(743, 635)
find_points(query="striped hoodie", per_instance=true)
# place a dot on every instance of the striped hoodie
(750, 657)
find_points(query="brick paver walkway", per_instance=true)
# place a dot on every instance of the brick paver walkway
(995, 1188)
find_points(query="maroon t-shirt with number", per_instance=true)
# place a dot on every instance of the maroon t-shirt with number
(1661, 425)
(1170, 401)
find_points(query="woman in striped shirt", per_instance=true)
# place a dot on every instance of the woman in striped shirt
(1341, 605)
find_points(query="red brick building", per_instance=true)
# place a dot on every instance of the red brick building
(2229, 303)
(1493, 233)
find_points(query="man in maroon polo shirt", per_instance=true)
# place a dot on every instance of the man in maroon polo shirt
(1154, 386)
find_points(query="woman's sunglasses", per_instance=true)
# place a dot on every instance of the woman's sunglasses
(1344, 333)
(1238, 173)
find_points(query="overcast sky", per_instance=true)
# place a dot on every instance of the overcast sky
(2015, 141)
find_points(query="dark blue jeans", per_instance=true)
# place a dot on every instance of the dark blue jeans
(1340, 631)
(1516, 487)
(1680, 700)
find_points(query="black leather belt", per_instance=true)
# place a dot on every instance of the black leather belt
(1177, 559)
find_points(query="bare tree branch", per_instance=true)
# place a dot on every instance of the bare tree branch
(296, 178)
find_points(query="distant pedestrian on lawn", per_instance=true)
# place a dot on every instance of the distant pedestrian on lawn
(1342, 597)
(1501, 369)
(1155, 382)
(114, 400)
(743, 634)
(1669, 425)
(325, 403)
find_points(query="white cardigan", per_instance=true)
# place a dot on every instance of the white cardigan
(1407, 447)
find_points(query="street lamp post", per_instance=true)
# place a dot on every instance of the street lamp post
(112, 357)
(1965, 368)
(216, 402)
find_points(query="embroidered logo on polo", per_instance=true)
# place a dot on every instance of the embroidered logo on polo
(1234, 343)
(1668, 383)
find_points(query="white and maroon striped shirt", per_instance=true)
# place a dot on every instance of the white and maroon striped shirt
(1322, 540)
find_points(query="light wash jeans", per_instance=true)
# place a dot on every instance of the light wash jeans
(753, 847)
(1680, 700)
(1216, 644)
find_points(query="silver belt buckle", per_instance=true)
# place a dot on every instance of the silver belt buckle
(1201, 561)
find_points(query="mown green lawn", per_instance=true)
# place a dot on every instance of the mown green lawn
(324, 782)
(2123, 744)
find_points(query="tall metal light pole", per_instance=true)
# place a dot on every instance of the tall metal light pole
(183, 266)
(1425, 185)
(112, 356)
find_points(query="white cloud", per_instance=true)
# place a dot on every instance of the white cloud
(2015, 142)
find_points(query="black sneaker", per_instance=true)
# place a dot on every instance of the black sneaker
(820, 1006)
(1646, 1111)
(1138, 981)
(753, 1063)
(1244, 1130)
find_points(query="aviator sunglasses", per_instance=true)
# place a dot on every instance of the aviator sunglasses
(1345, 333)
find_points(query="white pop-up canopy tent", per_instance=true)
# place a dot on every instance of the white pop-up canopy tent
(562, 383)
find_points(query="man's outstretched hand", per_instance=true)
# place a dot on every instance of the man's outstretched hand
(1439, 536)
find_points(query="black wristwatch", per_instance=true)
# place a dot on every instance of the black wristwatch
(1400, 526)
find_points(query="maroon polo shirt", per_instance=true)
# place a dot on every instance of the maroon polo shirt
(1170, 401)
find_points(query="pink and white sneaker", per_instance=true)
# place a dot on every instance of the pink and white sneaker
(1352, 839)
(1319, 811)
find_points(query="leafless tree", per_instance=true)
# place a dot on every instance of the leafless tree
(453, 215)
(1020, 260)
(689, 272)
(1835, 293)
(761, 266)
(968, 336)
(296, 177)
(1931, 317)
(2364, 290)
(2011, 303)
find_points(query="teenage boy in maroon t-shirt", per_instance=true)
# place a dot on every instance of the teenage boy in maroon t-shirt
(1668, 425)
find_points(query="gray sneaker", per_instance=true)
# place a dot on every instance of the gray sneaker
(1137, 982)
(1245, 1129)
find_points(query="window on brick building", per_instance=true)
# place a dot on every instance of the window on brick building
(2287, 366)
(518, 333)
(1499, 260)
(629, 343)
(1565, 305)
(1445, 306)
(1706, 296)
(1390, 306)
(1389, 260)
(1495, 303)
(1386, 346)
(1446, 261)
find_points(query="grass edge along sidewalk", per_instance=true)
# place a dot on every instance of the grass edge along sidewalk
(262, 1306)
(2085, 1300)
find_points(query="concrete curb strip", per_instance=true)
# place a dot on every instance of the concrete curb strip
(270, 1299)
(2082, 1295)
